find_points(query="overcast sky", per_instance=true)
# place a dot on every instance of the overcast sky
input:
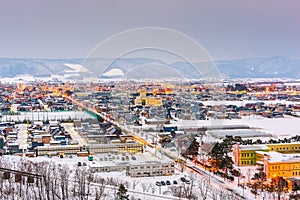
(227, 29)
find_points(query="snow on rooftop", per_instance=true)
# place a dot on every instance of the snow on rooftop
(239, 132)
(280, 127)
(280, 157)
(253, 147)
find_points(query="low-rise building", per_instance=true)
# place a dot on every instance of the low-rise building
(139, 165)
(119, 147)
(65, 149)
(244, 155)
(281, 165)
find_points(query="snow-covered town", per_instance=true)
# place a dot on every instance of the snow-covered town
(149, 141)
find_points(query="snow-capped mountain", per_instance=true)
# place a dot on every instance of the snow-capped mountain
(271, 67)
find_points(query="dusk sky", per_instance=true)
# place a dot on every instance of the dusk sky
(226, 29)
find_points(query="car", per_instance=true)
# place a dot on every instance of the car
(187, 182)
(168, 182)
(182, 179)
(79, 164)
(163, 183)
(84, 164)
(158, 183)
(175, 182)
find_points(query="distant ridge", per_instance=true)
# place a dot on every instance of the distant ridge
(270, 67)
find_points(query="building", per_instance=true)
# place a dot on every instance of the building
(275, 160)
(120, 148)
(138, 165)
(277, 164)
(285, 147)
(244, 155)
(150, 168)
(148, 101)
(65, 149)
(155, 121)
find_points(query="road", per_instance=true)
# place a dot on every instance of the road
(74, 134)
(22, 136)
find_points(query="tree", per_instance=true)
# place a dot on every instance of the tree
(260, 177)
(193, 148)
(278, 185)
(122, 193)
(204, 189)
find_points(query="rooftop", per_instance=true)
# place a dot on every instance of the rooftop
(256, 147)
(101, 160)
(280, 157)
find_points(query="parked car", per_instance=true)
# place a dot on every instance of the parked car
(182, 179)
(175, 182)
(163, 183)
(168, 182)
(158, 183)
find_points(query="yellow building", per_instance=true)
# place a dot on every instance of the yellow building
(277, 164)
(285, 147)
(276, 160)
(149, 101)
(246, 154)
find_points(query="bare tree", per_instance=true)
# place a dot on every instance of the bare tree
(135, 182)
(100, 187)
(204, 189)
(189, 194)
(152, 188)
(177, 191)
(144, 187)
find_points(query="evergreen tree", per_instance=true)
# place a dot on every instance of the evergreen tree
(122, 193)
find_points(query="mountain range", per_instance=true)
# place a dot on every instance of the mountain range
(270, 67)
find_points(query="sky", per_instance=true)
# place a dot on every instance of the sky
(228, 29)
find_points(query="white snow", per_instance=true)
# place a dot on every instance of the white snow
(114, 72)
(77, 67)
